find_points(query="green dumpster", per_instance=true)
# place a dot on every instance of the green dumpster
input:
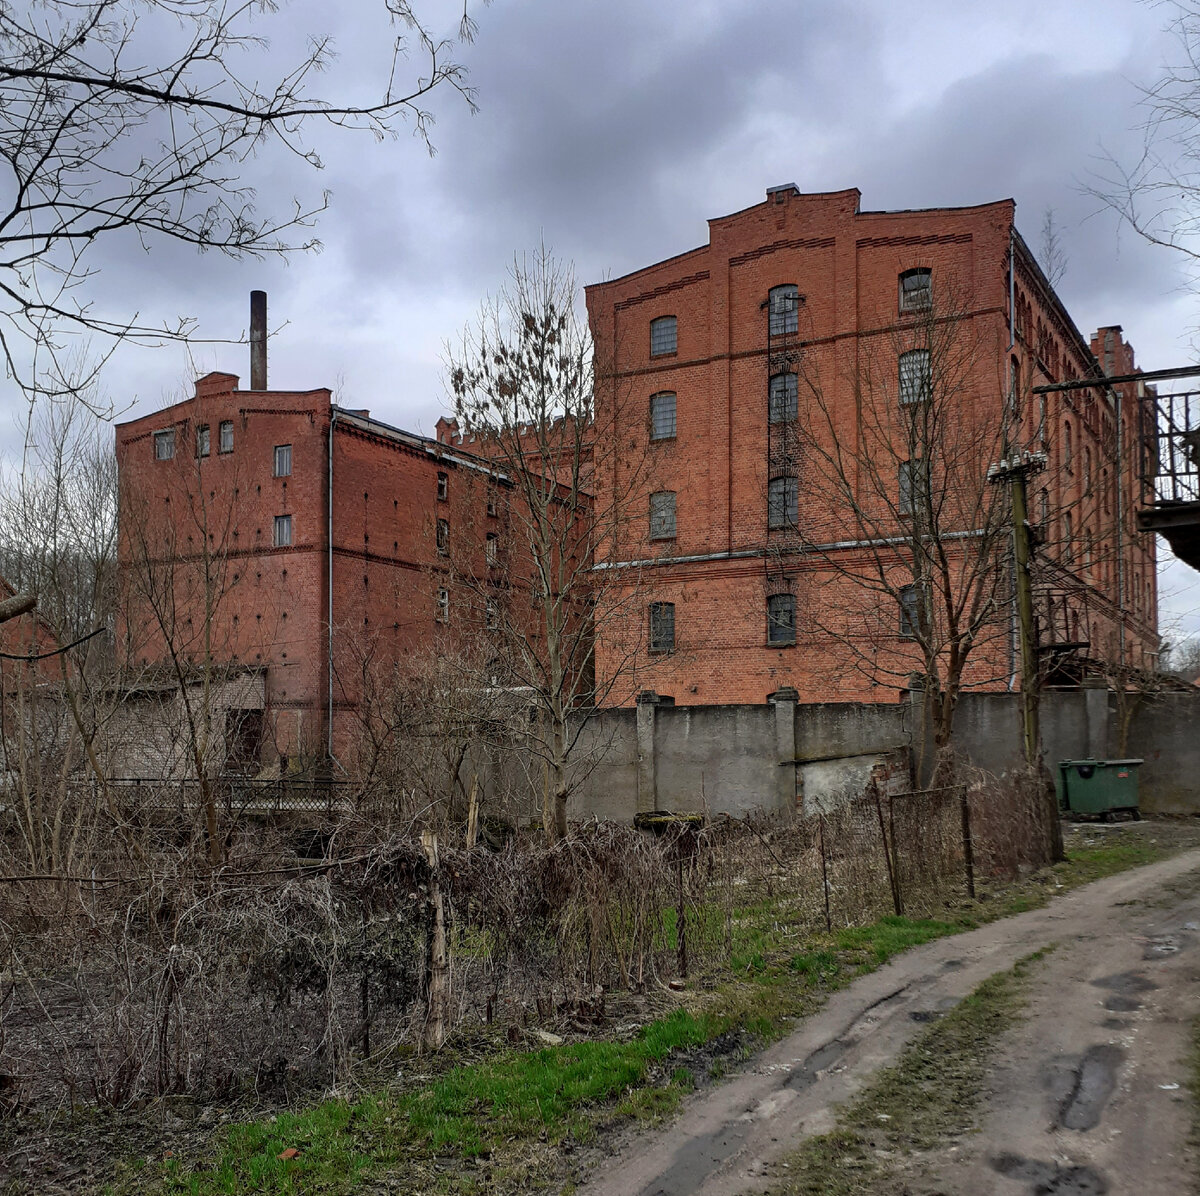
(1098, 786)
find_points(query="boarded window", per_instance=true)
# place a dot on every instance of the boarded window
(662, 515)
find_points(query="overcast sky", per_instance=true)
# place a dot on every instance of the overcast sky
(613, 129)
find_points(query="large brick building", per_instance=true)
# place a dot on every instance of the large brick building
(786, 343)
(277, 535)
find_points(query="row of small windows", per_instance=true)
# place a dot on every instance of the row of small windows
(781, 622)
(164, 446)
(783, 310)
(442, 610)
(443, 493)
(783, 395)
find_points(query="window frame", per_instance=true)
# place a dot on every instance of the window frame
(783, 320)
(912, 478)
(164, 438)
(657, 642)
(774, 624)
(443, 537)
(908, 598)
(917, 299)
(791, 398)
(491, 614)
(491, 549)
(443, 486)
(655, 434)
(226, 425)
(661, 323)
(658, 517)
(441, 609)
(281, 458)
(911, 396)
(203, 440)
(790, 520)
(493, 506)
(282, 522)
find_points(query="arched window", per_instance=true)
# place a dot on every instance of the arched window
(783, 503)
(914, 376)
(784, 306)
(783, 398)
(664, 337)
(916, 289)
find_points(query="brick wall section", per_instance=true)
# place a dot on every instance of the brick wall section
(846, 263)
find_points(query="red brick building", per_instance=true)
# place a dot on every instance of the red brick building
(807, 303)
(277, 533)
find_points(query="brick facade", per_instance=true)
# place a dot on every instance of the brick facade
(723, 561)
(268, 603)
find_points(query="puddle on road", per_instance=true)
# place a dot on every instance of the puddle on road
(806, 1074)
(1050, 1179)
(1095, 1082)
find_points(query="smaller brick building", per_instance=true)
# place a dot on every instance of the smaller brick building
(280, 532)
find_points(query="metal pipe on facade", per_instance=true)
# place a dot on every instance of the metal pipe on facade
(333, 414)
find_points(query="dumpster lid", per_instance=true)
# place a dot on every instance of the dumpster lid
(1099, 763)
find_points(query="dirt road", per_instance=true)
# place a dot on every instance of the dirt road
(1088, 1095)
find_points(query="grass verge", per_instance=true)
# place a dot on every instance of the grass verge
(506, 1122)
(931, 1094)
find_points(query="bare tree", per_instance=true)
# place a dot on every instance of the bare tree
(521, 380)
(1052, 257)
(910, 538)
(141, 117)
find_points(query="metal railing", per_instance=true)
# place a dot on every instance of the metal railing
(1170, 462)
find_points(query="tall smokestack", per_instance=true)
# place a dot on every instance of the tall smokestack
(258, 340)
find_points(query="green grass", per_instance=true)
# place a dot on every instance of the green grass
(483, 1119)
(927, 1097)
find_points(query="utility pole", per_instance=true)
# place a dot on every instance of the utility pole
(1015, 471)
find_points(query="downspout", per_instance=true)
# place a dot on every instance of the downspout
(329, 580)
(1120, 529)
(1013, 630)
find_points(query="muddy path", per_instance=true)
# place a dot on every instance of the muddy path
(1081, 1100)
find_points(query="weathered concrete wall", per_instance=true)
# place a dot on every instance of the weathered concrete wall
(1165, 732)
(606, 774)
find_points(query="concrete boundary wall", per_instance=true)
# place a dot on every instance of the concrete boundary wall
(784, 755)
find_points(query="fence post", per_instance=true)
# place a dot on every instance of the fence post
(647, 771)
(968, 848)
(784, 700)
(824, 872)
(897, 904)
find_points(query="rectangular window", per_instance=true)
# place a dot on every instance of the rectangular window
(443, 536)
(164, 445)
(202, 441)
(784, 399)
(443, 606)
(781, 619)
(226, 442)
(783, 503)
(784, 303)
(914, 376)
(663, 336)
(662, 416)
(910, 615)
(443, 487)
(662, 626)
(283, 531)
(493, 508)
(492, 546)
(283, 460)
(662, 515)
(913, 485)
(492, 614)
